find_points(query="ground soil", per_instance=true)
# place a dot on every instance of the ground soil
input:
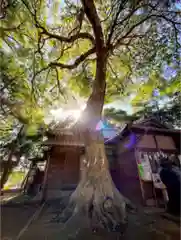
(142, 225)
(13, 219)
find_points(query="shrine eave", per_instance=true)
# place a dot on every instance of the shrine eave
(63, 143)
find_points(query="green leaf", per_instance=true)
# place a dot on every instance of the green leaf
(32, 130)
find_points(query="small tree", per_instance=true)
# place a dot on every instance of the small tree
(169, 113)
(101, 47)
(20, 116)
(10, 150)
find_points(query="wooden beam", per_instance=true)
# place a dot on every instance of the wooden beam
(44, 185)
(150, 130)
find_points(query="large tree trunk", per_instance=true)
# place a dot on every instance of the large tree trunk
(96, 193)
(96, 199)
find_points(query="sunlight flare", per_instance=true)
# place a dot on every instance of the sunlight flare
(62, 114)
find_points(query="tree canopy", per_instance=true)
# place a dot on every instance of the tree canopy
(49, 51)
(168, 113)
(58, 41)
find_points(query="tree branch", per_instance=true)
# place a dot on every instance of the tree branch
(131, 13)
(121, 89)
(15, 109)
(174, 23)
(119, 41)
(91, 13)
(78, 61)
(4, 29)
(58, 83)
(81, 35)
(37, 73)
(121, 6)
(130, 31)
(79, 17)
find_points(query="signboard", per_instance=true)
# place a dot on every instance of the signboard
(144, 167)
(157, 181)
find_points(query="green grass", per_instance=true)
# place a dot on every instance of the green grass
(15, 179)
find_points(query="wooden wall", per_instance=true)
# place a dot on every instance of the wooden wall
(127, 180)
(63, 170)
(165, 142)
(147, 141)
(157, 141)
(124, 171)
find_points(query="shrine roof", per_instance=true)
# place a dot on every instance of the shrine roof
(145, 126)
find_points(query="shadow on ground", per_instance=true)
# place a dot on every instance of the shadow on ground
(16, 214)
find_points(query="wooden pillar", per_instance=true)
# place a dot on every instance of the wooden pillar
(44, 184)
(141, 183)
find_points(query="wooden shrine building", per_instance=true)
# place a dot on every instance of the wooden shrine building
(134, 159)
(63, 160)
(133, 156)
(64, 149)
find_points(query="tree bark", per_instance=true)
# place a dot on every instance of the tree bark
(96, 198)
(96, 193)
(6, 171)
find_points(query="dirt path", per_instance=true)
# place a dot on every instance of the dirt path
(13, 219)
(15, 216)
(141, 226)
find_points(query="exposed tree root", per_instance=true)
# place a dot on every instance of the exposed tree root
(96, 203)
(106, 217)
(94, 209)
